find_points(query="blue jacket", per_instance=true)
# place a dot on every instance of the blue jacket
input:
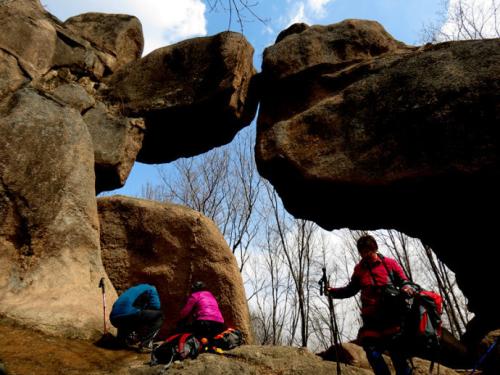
(135, 299)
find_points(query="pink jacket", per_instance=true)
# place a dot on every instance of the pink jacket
(202, 306)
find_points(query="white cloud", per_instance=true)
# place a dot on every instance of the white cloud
(478, 12)
(307, 11)
(297, 13)
(318, 7)
(163, 21)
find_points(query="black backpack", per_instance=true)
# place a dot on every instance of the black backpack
(176, 348)
(423, 326)
(228, 339)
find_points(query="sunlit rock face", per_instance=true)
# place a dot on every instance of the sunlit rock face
(358, 130)
(66, 63)
(117, 36)
(170, 246)
(62, 140)
(50, 257)
(193, 95)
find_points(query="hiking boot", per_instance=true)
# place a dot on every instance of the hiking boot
(131, 339)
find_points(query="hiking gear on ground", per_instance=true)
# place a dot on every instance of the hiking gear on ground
(202, 305)
(324, 287)
(228, 339)
(101, 285)
(146, 347)
(176, 348)
(135, 299)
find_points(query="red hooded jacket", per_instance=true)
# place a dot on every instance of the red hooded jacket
(370, 283)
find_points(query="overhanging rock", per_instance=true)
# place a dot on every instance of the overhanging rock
(194, 95)
(387, 137)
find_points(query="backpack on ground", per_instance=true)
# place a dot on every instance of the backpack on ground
(228, 339)
(176, 348)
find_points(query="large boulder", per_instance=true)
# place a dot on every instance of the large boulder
(39, 41)
(194, 95)
(50, 261)
(118, 35)
(62, 141)
(170, 246)
(401, 138)
(67, 61)
(116, 140)
(11, 75)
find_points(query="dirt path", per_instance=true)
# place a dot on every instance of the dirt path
(25, 352)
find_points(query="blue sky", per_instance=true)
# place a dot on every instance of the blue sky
(169, 21)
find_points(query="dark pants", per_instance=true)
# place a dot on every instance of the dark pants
(399, 360)
(385, 334)
(145, 324)
(207, 328)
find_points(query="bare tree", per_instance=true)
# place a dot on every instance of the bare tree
(454, 305)
(241, 10)
(223, 184)
(272, 300)
(296, 245)
(465, 19)
(399, 246)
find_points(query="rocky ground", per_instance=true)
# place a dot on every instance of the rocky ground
(25, 352)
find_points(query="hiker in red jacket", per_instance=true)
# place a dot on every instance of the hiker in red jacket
(382, 316)
(203, 309)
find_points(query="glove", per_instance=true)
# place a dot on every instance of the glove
(408, 290)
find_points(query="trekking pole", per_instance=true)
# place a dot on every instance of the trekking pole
(324, 286)
(101, 285)
(483, 357)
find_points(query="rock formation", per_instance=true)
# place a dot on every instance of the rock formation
(170, 246)
(49, 232)
(357, 130)
(194, 95)
(64, 137)
(27, 352)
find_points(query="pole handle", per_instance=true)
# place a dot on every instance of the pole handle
(101, 284)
